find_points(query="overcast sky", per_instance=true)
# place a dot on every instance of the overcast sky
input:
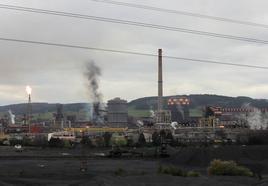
(56, 74)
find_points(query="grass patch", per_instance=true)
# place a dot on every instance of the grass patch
(227, 168)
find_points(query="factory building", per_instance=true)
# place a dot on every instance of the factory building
(179, 108)
(117, 112)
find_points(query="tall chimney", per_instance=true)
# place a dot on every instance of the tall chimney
(29, 113)
(160, 82)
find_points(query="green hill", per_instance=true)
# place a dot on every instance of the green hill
(140, 107)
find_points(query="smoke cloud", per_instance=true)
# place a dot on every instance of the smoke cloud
(256, 120)
(93, 72)
(180, 110)
(12, 117)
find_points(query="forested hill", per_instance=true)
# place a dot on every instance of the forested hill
(202, 100)
(146, 103)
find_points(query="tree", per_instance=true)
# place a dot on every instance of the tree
(56, 142)
(163, 134)
(130, 142)
(156, 139)
(169, 138)
(141, 140)
(86, 141)
(99, 141)
(107, 138)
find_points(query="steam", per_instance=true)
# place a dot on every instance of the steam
(152, 113)
(180, 110)
(140, 123)
(12, 117)
(28, 90)
(93, 72)
(174, 125)
(256, 120)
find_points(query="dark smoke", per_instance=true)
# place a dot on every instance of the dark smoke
(93, 72)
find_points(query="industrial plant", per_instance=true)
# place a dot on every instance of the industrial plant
(171, 114)
(168, 131)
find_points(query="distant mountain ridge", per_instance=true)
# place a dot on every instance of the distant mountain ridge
(146, 103)
(202, 100)
(38, 108)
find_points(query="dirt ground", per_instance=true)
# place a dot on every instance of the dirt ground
(51, 167)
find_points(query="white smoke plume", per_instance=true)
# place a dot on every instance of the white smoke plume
(12, 117)
(180, 110)
(255, 119)
(152, 113)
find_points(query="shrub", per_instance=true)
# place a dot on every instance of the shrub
(193, 174)
(40, 142)
(229, 168)
(67, 144)
(99, 141)
(141, 140)
(86, 141)
(26, 141)
(156, 139)
(15, 142)
(160, 169)
(56, 142)
(171, 170)
(143, 173)
(119, 172)
(119, 141)
(107, 139)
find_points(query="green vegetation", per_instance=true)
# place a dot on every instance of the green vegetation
(119, 141)
(175, 171)
(56, 142)
(136, 108)
(43, 116)
(138, 112)
(141, 140)
(119, 172)
(227, 168)
(197, 112)
(193, 174)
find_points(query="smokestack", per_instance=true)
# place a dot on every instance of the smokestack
(160, 81)
(29, 107)
(29, 112)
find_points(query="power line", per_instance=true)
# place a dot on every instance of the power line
(131, 53)
(126, 22)
(139, 6)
